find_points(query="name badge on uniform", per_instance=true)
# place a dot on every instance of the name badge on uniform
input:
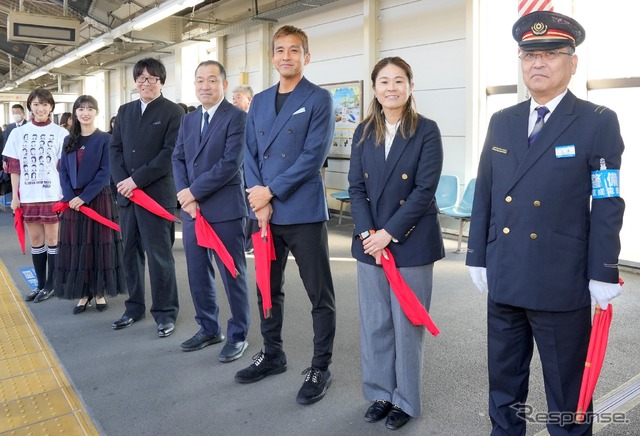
(563, 151)
(605, 183)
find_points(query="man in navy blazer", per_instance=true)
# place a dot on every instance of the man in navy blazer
(207, 168)
(288, 136)
(140, 157)
(544, 237)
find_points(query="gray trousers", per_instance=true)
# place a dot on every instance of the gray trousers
(391, 348)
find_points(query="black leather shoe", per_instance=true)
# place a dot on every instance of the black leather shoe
(377, 411)
(232, 351)
(31, 295)
(166, 330)
(396, 418)
(123, 322)
(201, 340)
(43, 295)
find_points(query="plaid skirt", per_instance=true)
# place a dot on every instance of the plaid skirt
(41, 213)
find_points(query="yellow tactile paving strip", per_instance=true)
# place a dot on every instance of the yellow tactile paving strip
(36, 397)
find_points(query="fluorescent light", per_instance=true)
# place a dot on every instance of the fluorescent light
(161, 12)
(83, 51)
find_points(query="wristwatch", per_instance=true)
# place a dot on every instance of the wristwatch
(273, 194)
(364, 235)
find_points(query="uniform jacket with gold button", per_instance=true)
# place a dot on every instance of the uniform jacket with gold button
(534, 225)
(398, 194)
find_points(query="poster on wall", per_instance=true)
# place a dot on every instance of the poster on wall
(347, 112)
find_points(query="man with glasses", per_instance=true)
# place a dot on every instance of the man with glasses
(544, 237)
(143, 140)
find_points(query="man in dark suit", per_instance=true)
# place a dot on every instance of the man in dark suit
(207, 168)
(17, 113)
(143, 140)
(544, 240)
(284, 151)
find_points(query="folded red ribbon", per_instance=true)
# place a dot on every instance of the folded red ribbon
(411, 306)
(207, 237)
(62, 206)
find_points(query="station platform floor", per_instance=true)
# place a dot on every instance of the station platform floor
(72, 374)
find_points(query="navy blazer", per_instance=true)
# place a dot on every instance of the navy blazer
(398, 194)
(286, 152)
(92, 176)
(211, 167)
(141, 148)
(534, 225)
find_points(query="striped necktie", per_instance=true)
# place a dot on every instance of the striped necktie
(542, 111)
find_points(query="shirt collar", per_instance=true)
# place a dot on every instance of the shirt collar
(551, 105)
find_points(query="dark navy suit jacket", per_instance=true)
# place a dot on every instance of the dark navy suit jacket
(534, 224)
(212, 167)
(286, 152)
(93, 174)
(398, 194)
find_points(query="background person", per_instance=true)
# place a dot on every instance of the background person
(207, 167)
(541, 245)
(242, 96)
(143, 140)
(41, 191)
(90, 256)
(286, 192)
(394, 171)
(17, 114)
(66, 120)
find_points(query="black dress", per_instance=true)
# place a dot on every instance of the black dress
(90, 253)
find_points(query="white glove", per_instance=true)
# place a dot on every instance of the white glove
(479, 277)
(603, 292)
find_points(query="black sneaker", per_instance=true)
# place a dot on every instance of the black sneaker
(261, 367)
(43, 295)
(316, 383)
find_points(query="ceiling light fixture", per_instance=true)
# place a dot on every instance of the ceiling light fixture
(161, 12)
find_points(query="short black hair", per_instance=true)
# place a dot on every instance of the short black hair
(18, 106)
(43, 96)
(153, 66)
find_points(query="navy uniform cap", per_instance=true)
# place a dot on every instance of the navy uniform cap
(543, 30)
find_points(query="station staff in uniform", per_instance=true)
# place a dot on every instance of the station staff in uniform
(541, 245)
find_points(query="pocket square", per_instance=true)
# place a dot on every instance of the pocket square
(157, 123)
(299, 111)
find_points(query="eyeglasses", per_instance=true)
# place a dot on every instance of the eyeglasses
(151, 80)
(549, 55)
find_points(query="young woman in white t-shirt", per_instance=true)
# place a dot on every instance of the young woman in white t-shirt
(37, 193)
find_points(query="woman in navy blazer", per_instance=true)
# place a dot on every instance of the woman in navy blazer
(90, 254)
(396, 161)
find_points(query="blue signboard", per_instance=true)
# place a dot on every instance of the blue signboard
(29, 275)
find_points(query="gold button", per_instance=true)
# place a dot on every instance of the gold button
(405, 177)
(506, 230)
(508, 199)
(401, 202)
(536, 203)
(366, 175)
(533, 236)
